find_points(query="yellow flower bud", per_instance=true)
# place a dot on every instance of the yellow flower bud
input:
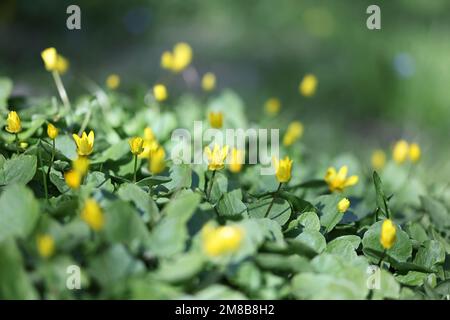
(23, 145)
(308, 85)
(92, 214)
(181, 57)
(388, 234)
(62, 64)
(208, 81)
(167, 60)
(52, 131)
(73, 179)
(272, 106)
(157, 162)
(414, 152)
(160, 92)
(85, 143)
(113, 81)
(13, 124)
(343, 205)
(378, 159)
(45, 245)
(283, 169)
(216, 157)
(50, 57)
(215, 119)
(81, 165)
(338, 181)
(237, 159)
(293, 133)
(221, 240)
(400, 151)
(136, 145)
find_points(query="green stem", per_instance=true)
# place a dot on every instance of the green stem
(382, 257)
(16, 140)
(273, 200)
(52, 158)
(61, 90)
(208, 193)
(135, 168)
(44, 176)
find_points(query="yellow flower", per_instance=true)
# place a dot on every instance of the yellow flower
(215, 119)
(388, 234)
(62, 64)
(283, 169)
(221, 240)
(308, 85)
(400, 151)
(148, 134)
(136, 144)
(378, 159)
(52, 131)
(50, 57)
(113, 81)
(414, 152)
(157, 160)
(343, 205)
(293, 133)
(272, 106)
(92, 214)
(85, 143)
(181, 56)
(208, 81)
(216, 157)
(167, 60)
(73, 179)
(23, 145)
(81, 165)
(13, 124)
(160, 92)
(237, 158)
(45, 245)
(338, 181)
(150, 143)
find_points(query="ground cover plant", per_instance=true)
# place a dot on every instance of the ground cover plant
(87, 184)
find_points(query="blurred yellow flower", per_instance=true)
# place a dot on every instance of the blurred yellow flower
(167, 60)
(237, 159)
(181, 56)
(50, 57)
(221, 240)
(23, 145)
(157, 162)
(45, 245)
(62, 64)
(400, 151)
(215, 119)
(283, 169)
(208, 81)
(148, 134)
(150, 143)
(160, 92)
(92, 214)
(293, 133)
(52, 131)
(338, 181)
(414, 152)
(13, 123)
(113, 81)
(136, 145)
(85, 143)
(343, 205)
(272, 106)
(81, 165)
(388, 234)
(378, 159)
(216, 157)
(73, 179)
(308, 85)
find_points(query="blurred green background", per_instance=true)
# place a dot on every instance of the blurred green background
(375, 86)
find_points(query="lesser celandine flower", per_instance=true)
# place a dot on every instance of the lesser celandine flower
(160, 92)
(62, 64)
(113, 81)
(414, 152)
(73, 179)
(208, 81)
(150, 143)
(52, 131)
(181, 56)
(45, 245)
(215, 119)
(13, 123)
(283, 169)
(157, 162)
(293, 133)
(388, 234)
(81, 165)
(378, 159)
(136, 145)
(92, 214)
(221, 240)
(400, 151)
(236, 161)
(50, 57)
(308, 85)
(343, 205)
(167, 60)
(337, 180)
(272, 106)
(216, 157)
(85, 143)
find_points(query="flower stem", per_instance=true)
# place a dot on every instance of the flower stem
(52, 158)
(208, 194)
(382, 257)
(135, 168)
(16, 140)
(44, 176)
(273, 200)
(61, 90)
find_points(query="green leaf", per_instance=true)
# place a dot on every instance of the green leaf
(431, 253)
(328, 210)
(141, 199)
(153, 181)
(181, 177)
(20, 170)
(309, 220)
(180, 269)
(19, 212)
(382, 202)
(283, 263)
(114, 153)
(231, 205)
(314, 239)
(280, 211)
(299, 205)
(412, 278)
(437, 211)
